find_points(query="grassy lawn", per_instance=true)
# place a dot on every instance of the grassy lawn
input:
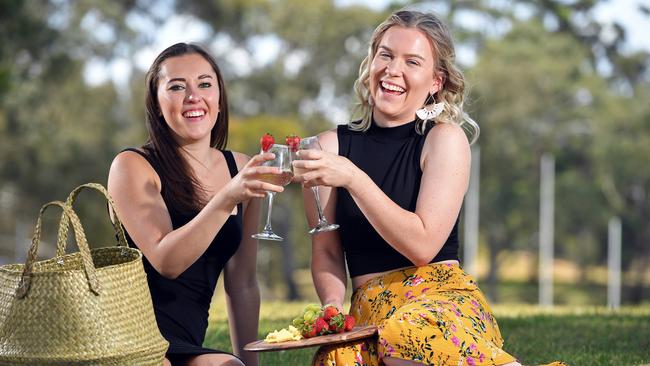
(577, 335)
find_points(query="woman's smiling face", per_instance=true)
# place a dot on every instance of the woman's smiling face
(188, 95)
(402, 74)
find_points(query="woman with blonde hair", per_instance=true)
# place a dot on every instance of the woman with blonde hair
(394, 181)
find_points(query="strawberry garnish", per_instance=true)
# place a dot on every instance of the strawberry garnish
(266, 142)
(293, 142)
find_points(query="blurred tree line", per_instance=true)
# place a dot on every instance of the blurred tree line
(544, 77)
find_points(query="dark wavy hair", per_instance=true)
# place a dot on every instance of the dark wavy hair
(180, 187)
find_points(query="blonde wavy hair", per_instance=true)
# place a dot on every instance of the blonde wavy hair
(452, 91)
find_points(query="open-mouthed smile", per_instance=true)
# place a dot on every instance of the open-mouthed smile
(391, 88)
(194, 114)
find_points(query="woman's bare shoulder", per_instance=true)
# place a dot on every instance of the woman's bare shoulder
(241, 159)
(329, 141)
(131, 162)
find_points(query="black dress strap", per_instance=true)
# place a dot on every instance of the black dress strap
(232, 167)
(147, 157)
(142, 153)
(230, 160)
(151, 161)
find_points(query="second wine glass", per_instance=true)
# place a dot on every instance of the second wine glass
(282, 160)
(311, 143)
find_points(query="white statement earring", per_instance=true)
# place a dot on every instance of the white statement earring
(426, 114)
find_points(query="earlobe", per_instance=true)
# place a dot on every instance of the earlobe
(436, 87)
(437, 83)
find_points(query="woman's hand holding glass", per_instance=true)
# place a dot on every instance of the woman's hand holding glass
(321, 168)
(247, 184)
(282, 175)
(308, 144)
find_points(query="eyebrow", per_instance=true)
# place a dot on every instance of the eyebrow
(408, 55)
(204, 76)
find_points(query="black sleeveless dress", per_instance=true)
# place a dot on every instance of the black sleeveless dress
(181, 305)
(390, 156)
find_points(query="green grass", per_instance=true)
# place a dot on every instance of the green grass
(563, 293)
(578, 336)
(591, 336)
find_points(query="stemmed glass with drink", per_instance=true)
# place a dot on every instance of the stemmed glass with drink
(282, 160)
(311, 143)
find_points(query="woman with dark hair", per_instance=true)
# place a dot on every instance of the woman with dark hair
(394, 181)
(190, 206)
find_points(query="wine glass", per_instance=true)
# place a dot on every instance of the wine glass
(282, 160)
(311, 143)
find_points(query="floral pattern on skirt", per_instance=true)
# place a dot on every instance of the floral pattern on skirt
(434, 314)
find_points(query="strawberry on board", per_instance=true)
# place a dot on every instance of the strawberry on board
(293, 142)
(266, 142)
(321, 327)
(309, 330)
(337, 323)
(330, 311)
(348, 323)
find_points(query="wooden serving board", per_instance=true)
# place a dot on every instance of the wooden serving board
(356, 333)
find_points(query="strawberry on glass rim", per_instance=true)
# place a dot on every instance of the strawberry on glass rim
(293, 142)
(266, 142)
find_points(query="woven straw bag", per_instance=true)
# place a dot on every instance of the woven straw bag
(92, 307)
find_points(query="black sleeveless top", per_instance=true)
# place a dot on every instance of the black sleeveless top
(181, 305)
(391, 158)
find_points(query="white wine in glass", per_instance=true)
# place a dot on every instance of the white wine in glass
(281, 179)
(311, 143)
(282, 160)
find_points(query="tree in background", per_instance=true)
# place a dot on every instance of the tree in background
(535, 88)
(56, 130)
(531, 107)
(541, 88)
(620, 154)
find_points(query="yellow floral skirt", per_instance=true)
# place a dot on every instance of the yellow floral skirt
(435, 315)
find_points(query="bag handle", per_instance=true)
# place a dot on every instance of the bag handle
(62, 236)
(82, 243)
